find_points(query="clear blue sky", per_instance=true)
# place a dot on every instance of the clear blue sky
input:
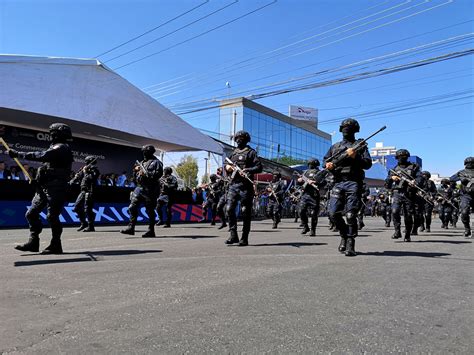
(316, 35)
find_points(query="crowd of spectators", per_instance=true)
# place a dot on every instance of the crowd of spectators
(112, 179)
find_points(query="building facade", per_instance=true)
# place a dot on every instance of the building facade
(274, 135)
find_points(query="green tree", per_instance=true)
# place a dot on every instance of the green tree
(286, 160)
(188, 170)
(205, 179)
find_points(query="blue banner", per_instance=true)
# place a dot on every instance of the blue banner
(12, 214)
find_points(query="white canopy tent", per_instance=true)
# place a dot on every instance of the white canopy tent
(95, 101)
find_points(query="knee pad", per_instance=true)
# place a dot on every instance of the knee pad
(245, 211)
(336, 193)
(351, 217)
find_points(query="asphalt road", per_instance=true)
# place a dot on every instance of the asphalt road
(187, 292)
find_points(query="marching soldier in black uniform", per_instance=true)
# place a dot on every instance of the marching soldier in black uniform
(364, 197)
(245, 164)
(404, 195)
(466, 176)
(213, 191)
(223, 187)
(87, 177)
(294, 195)
(430, 187)
(51, 186)
(276, 193)
(168, 187)
(444, 208)
(147, 176)
(348, 177)
(383, 208)
(310, 198)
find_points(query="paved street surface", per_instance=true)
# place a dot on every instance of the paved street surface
(188, 292)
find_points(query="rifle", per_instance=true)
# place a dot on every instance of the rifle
(412, 182)
(83, 169)
(338, 157)
(20, 165)
(237, 169)
(295, 197)
(439, 196)
(307, 180)
(142, 168)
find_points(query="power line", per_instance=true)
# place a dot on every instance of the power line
(153, 29)
(174, 31)
(355, 77)
(197, 36)
(266, 63)
(236, 66)
(254, 52)
(396, 54)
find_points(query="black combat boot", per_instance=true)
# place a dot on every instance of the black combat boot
(150, 233)
(244, 241)
(428, 230)
(350, 247)
(313, 233)
(130, 230)
(387, 224)
(467, 233)
(167, 225)
(361, 225)
(31, 245)
(275, 225)
(397, 234)
(54, 247)
(414, 231)
(234, 238)
(223, 225)
(305, 229)
(342, 245)
(159, 223)
(82, 226)
(407, 237)
(90, 228)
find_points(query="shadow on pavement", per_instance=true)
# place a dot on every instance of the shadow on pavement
(177, 236)
(266, 231)
(405, 253)
(443, 241)
(90, 256)
(296, 244)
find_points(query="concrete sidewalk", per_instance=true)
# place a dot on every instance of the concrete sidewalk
(186, 291)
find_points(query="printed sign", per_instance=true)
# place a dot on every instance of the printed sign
(303, 113)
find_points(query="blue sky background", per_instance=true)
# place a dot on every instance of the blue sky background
(283, 41)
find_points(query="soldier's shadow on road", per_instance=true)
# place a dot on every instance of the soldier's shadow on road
(88, 256)
(405, 253)
(443, 241)
(177, 236)
(295, 244)
(266, 231)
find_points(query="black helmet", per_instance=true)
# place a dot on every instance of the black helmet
(469, 162)
(244, 135)
(213, 177)
(167, 171)
(90, 158)
(445, 181)
(60, 132)
(351, 123)
(148, 149)
(426, 174)
(402, 152)
(313, 162)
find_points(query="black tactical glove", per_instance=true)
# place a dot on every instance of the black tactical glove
(13, 153)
